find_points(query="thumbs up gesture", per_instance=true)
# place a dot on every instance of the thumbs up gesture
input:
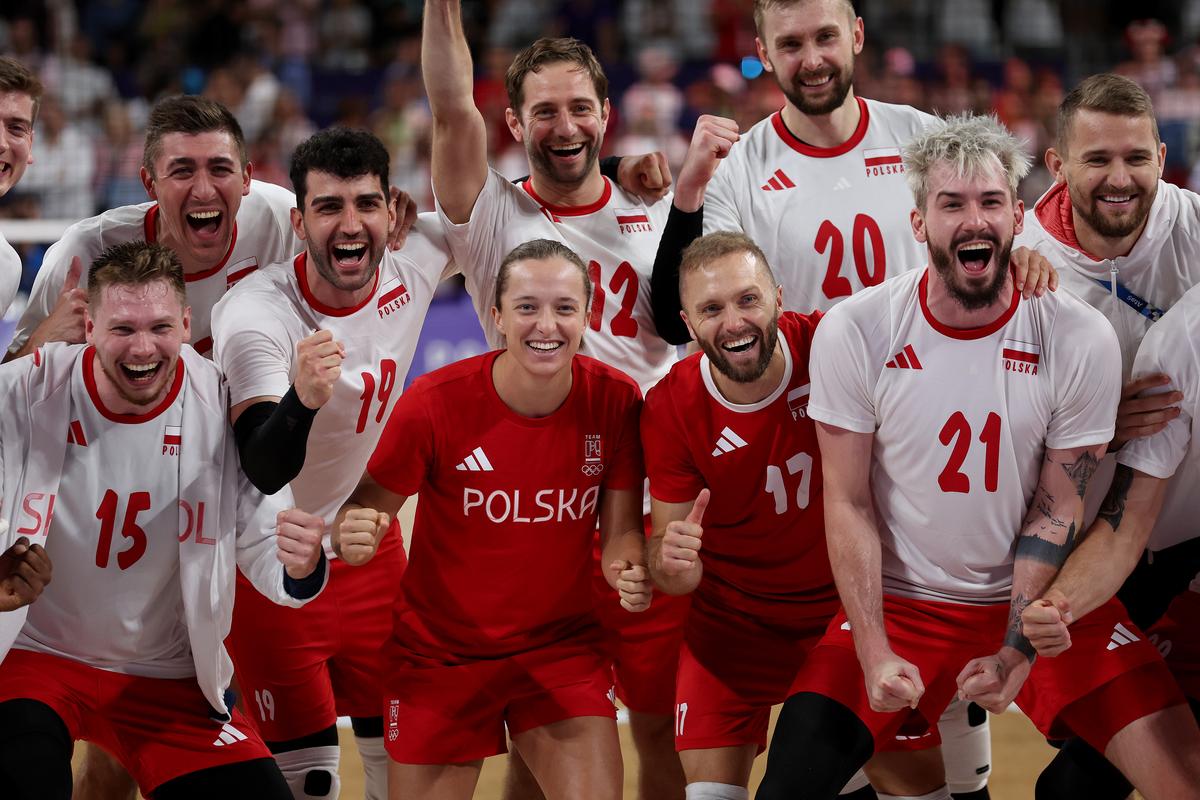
(66, 320)
(681, 541)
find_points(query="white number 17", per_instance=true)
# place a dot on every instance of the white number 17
(799, 463)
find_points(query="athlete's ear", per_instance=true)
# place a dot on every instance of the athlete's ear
(762, 54)
(514, 125)
(298, 224)
(1018, 216)
(247, 171)
(148, 183)
(1162, 157)
(779, 296)
(497, 320)
(89, 325)
(187, 323)
(918, 226)
(1054, 163)
(860, 37)
(605, 109)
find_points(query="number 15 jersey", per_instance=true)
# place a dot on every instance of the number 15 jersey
(961, 420)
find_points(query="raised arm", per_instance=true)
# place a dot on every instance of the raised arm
(852, 534)
(623, 547)
(459, 162)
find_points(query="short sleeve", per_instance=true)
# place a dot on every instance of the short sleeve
(1087, 376)
(404, 455)
(721, 202)
(252, 349)
(669, 465)
(842, 393)
(1168, 348)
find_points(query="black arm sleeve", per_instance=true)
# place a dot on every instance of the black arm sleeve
(682, 228)
(271, 441)
(609, 167)
(304, 588)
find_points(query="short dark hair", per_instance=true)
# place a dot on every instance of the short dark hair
(191, 114)
(16, 77)
(707, 249)
(552, 51)
(342, 152)
(135, 263)
(1107, 93)
(761, 7)
(541, 250)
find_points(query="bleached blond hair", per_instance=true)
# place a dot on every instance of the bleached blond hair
(971, 144)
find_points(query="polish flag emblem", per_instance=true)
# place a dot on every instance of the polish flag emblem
(1016, 350)
(172, 440)
(882, 156)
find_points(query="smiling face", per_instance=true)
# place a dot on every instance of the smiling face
(16, 138)
(137, 331)
(969, 223)
(1111, 167)
(810, 47)
(345, 223)
(561, 122)
(199, 183)
(731, 307)
(542, 314)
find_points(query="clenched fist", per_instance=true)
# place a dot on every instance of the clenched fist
(318, 367)
(633, 585)
(24, 573)
(357, 533)
(298, 536)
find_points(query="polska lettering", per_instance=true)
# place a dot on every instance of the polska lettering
(548, 505)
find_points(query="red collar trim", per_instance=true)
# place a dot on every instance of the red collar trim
(965, 333)
(150, 226)
(571, 211)
(1057, 217)
(301, 266)
(806, 149)
(89, 381)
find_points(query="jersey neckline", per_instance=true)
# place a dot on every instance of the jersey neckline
(570, 211)
(965, 333)
(300, 263)
(150, 228)
(89, 382)
(489, 383)
(710, 382)
(804, 148)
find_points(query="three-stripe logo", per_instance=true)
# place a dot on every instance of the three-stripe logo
(229, 735)
(727, 442)
(778, 182)
(476, 462)
(905, 359)
(1121, 636)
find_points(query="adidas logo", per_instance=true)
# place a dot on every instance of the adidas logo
(727, 442)
(778, 182)
(905, 359)
(1121, 636)
(846, 625)
(841, 184)
(75, 434)
(476, 462)
(229, 735)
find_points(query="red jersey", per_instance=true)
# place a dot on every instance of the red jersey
(764, 530)
(501, 555)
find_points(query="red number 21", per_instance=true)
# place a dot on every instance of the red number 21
(958, 431)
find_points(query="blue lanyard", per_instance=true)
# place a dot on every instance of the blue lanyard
(1143, 307)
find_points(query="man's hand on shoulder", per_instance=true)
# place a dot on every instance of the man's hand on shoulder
(406, 217)
(647, 177)
(1141, 415)
(1034, 274)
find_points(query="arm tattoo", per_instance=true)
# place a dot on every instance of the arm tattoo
(1045, 551)
(1013, 636)
(1113, 507)
(1045, 506)
(1080, 471)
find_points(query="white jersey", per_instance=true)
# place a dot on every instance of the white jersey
(10, 274)
(961, 420)
(1173, 347)
(114, 537)
(617, 237)
(830, 220)
(262, 234)
(258, 324)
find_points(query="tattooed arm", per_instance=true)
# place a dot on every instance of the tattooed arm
(1106, 555)
(1047, 536)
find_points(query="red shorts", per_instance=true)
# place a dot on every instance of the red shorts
(1177, 637)
(301, 668)
(159, 729)
(645, 646)
(458, 713)
(733, 668)
(1106, 679)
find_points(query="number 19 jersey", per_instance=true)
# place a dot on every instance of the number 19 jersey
(961, 420)
(832, 220)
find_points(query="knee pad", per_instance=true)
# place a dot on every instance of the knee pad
(311, 772)
(1079, 771)
(707, 790)
(818, 746)
(35, 752)
(937, 794)
(966, 747)
(375, 766)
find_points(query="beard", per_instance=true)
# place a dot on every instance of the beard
(766, 349)
(330, 275)
(971, 298)
(540, 161)
(1113, 228)
(838, 89)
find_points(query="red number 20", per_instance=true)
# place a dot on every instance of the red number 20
(958, 431)
(830, 238)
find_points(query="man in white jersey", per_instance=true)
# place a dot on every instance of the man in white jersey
(559, 110)
(931, 610)
(20, 93)
(204, 206)
(120, 459)
(315, 350)
(1152, 507)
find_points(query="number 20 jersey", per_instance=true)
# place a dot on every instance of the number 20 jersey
(764, 532)
(961, 419)
(830, 220)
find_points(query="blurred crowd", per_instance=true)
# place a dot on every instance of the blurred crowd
(288, 67)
